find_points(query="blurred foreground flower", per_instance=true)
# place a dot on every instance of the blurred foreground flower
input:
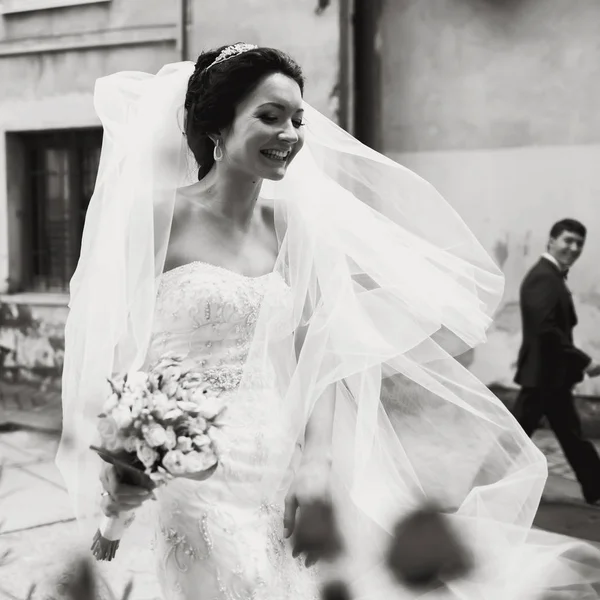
(425, 551)
(335, 590)
(81, 582)
(317, 532)
(318, 536)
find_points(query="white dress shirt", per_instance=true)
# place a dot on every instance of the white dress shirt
(551, 258)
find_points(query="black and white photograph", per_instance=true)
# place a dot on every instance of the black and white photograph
(299, 300)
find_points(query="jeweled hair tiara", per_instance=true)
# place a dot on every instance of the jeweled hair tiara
(230, 52)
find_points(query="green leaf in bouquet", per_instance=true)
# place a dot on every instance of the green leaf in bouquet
(190, 426)
(115, 389)
(110, 434)
(175, 418)
(154, 381)
(188, 407)
(129, 469)
(127, 591)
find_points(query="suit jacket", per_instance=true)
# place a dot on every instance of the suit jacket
(548, 358)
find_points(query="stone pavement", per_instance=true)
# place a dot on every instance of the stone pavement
(563, 510)
(38, 527)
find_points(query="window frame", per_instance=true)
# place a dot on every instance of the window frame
(74, 142)
(11, 7)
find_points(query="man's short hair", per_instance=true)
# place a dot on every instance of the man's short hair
(570, 225)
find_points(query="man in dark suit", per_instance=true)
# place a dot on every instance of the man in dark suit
(549, 364)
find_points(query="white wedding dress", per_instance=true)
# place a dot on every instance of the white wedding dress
(219, 539)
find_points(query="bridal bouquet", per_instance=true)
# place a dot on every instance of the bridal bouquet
(155, 426)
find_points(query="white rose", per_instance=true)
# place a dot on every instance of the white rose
(173, 462)
(111, 403)
(130, 444)
(188, 407)
(109, 433)
(159, 399)
(138, 382)
(171, 439)
(197, 462)
(198, 426)
(170, 387)
(128, 398)
(173, 414)
(148, 456)
(155, 435)
(211, 406)
(184, 444)
(122, 416)
(161, 404)
(201, 440)
(172, 372)
(181, 395)
(137, 407)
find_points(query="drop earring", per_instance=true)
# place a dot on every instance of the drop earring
(217, 152)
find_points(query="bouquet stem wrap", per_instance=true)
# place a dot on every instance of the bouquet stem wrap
(112, 528)
(108, 537)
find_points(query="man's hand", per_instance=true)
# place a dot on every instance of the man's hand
(593, 370)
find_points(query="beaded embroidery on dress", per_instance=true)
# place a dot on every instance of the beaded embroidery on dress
(216, 541)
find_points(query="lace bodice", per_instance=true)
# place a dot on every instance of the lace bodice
(209, 313)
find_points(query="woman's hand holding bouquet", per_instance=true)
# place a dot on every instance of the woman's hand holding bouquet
(155, 426)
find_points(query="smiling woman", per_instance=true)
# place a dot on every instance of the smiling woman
(282, 150)
(268, 123)
(253, 95)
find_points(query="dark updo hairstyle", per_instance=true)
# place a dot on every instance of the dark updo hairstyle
(214, 94)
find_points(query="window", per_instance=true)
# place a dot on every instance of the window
(60, 171)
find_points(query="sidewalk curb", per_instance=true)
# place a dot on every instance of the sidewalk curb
(45, 419)
(15, 425)
(38, 526)
(579, 505)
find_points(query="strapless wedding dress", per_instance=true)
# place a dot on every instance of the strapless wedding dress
(220, 539)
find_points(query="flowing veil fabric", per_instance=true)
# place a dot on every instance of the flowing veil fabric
(387, 284)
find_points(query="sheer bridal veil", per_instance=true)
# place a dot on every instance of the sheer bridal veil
(390, 285)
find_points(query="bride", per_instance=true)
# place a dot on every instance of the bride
(323, 291)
